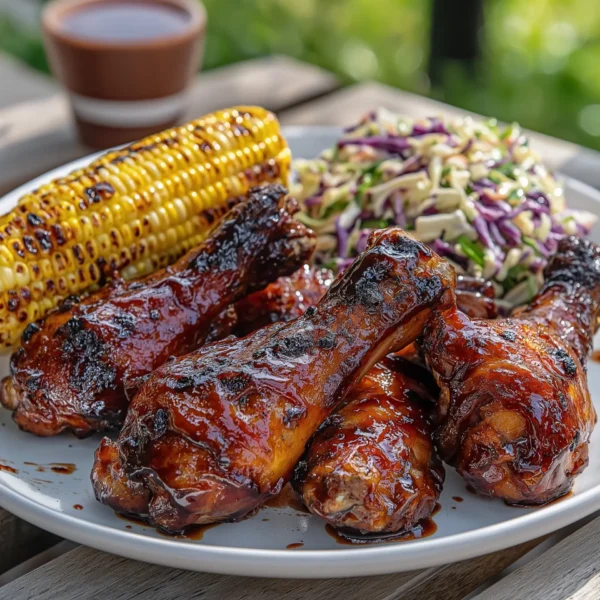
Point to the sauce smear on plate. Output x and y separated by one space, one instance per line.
424 529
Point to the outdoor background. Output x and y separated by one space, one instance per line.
533 61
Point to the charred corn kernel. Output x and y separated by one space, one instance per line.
133 210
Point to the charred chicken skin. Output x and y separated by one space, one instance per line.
475 297
514 414
78 368
212 435
283 300
372 468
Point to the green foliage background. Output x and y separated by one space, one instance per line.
540 63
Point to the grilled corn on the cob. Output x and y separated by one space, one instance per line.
133 210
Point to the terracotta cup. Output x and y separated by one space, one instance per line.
124 88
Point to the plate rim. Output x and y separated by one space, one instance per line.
332 563
303 564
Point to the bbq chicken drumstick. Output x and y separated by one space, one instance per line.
212 435
514 414
372 468
77 368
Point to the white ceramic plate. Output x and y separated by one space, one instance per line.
258 546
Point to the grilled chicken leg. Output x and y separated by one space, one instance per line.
515 415
371 468
212 435
77 369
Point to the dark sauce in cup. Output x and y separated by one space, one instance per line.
124 22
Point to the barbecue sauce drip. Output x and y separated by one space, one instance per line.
60 468
195 533
425 528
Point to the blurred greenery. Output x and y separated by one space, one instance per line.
538 65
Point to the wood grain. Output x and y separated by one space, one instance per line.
87 573
348 105
39 135
20 541
570 569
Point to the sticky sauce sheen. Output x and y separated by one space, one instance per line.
555 501
425 528
195 532
131 519
294 546
128 22
63 468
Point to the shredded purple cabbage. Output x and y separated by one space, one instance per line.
395 145
447 251
342 237
484 234
496 235
363 238
489 213
511 233
398 208
435 126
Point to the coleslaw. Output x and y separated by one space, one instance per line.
474 191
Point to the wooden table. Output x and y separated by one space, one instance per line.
37 135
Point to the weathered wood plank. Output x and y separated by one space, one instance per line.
91 574
570 569
348 105
19 540
276 82
19 83
38 135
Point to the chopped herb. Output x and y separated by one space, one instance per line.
472 249
375 224
513 276
507 169
335 207
444 177
371 177
508 131
515 194
531 288
532 244
331 265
